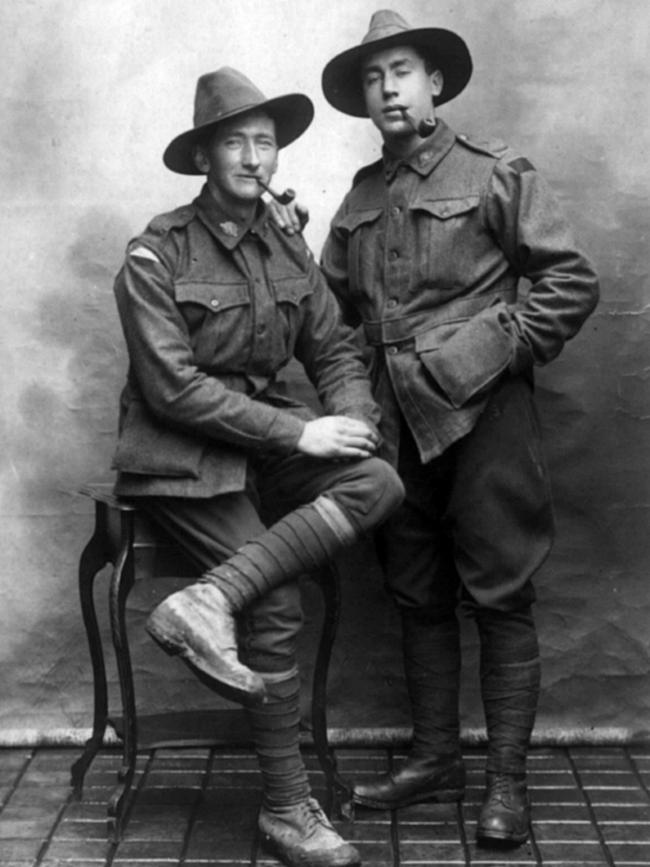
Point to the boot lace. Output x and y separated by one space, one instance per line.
500 788
315 819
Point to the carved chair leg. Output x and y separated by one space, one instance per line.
93 558
121 584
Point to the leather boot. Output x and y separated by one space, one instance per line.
434 778
510 682
505 814
302 836
434 771
197 623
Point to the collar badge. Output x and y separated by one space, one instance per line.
229 228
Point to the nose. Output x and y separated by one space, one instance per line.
389 85
250 156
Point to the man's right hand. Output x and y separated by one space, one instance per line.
291 218
337 437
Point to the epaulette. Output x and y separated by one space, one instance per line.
175 219
366 171
499 150
494 148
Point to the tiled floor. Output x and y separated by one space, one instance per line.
198 807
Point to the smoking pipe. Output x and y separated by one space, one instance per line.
424 128
282 198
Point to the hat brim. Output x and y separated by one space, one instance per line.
341 79
292 114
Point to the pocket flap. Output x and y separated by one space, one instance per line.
433 339
355 219
216 296
443 209
148 447
291 290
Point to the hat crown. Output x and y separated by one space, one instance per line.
222 93
383 24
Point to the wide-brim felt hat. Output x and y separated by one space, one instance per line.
223 95
341 80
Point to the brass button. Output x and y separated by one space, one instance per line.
214 302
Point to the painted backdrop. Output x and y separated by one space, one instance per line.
91 93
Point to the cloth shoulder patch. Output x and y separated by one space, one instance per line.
141 252
366 172
521 165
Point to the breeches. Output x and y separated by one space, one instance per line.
476 522
211 530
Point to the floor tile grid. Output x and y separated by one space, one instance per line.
591 807
617 784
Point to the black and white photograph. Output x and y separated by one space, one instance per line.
325 459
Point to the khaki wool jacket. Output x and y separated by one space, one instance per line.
212 314
461 268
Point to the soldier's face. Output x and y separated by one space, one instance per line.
240 151
397 79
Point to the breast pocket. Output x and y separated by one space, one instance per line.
216 314
291 293
448 229
364 229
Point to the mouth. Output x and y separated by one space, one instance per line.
391 110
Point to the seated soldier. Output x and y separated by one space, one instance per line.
214 301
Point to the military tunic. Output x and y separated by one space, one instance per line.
427 254
212 314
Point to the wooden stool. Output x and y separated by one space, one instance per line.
124 537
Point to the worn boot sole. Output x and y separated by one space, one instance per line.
436 796
218 679
273 847
490 839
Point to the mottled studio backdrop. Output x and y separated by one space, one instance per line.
91 93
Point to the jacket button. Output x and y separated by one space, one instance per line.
393 255
214 302
392 350
395 211
392 302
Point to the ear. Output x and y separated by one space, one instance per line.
201 160
437 82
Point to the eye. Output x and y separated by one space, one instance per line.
371 78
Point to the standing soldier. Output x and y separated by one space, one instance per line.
426 253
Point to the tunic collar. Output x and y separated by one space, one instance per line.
426 157
225 228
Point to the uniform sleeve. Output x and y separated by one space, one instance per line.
528 224
175 390
334 265
331 357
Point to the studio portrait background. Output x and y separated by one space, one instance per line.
92 92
